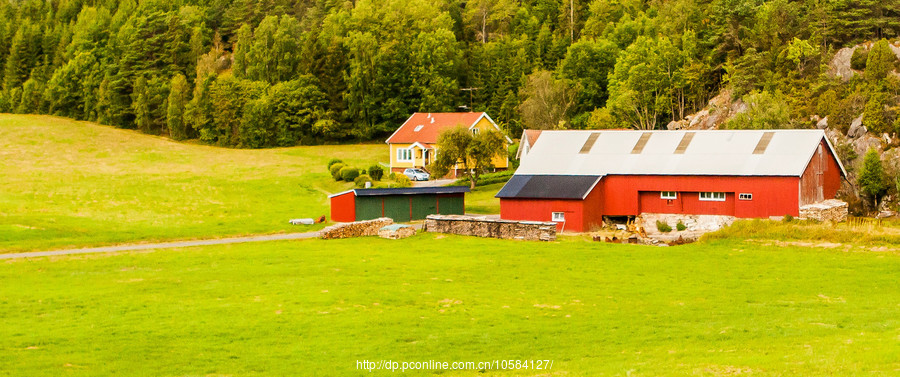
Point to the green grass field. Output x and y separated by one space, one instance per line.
65 183
757 299
720 308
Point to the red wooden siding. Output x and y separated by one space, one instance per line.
822 178
772 196
343 207
581 215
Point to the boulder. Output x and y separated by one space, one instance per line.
677 124
822 123
863 144
697 118
856 128
840 65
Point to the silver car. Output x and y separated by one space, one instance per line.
416 174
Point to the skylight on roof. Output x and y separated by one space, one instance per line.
685 141
589 143
763 142
419 127
641 143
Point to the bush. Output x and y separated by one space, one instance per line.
827 103
788 218
361 181
858 60
401 180
663 227
336 171
680 226
488 179
349 174
332 162
376 172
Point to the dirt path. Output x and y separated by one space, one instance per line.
162 245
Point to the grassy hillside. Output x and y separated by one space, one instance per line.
68 183
315 307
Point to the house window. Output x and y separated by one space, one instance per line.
559 216
418 128
668 195
712 196
745 196
474 131
404 154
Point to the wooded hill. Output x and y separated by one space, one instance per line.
258 73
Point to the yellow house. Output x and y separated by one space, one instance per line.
413 145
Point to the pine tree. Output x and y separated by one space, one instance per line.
871 181
178 98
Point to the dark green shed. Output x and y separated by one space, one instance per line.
400 204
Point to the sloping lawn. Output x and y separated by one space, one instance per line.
65 183
720 308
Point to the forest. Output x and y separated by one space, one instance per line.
264 73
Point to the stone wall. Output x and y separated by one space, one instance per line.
830 210
355 229
492 228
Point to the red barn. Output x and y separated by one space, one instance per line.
577 177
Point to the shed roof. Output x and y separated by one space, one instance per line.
549 186
709 152
405 191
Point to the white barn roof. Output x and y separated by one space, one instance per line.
710 152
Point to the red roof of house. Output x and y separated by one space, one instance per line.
532 136
431 126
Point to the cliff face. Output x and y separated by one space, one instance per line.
718 110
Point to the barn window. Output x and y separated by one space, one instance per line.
745 196
712 196
559 216
404 154
668 195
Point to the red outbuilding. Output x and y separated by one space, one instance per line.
577 177
400 204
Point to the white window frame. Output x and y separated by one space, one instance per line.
475 131
712 196
404 152
559 217
670 195
745 196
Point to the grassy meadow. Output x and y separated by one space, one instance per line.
65 183
718 308
759 298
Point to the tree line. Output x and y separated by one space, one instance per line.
262 73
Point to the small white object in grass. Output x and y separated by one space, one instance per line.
302 221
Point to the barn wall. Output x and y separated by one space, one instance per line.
822 178
343 208
542 210
578 217
772 196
